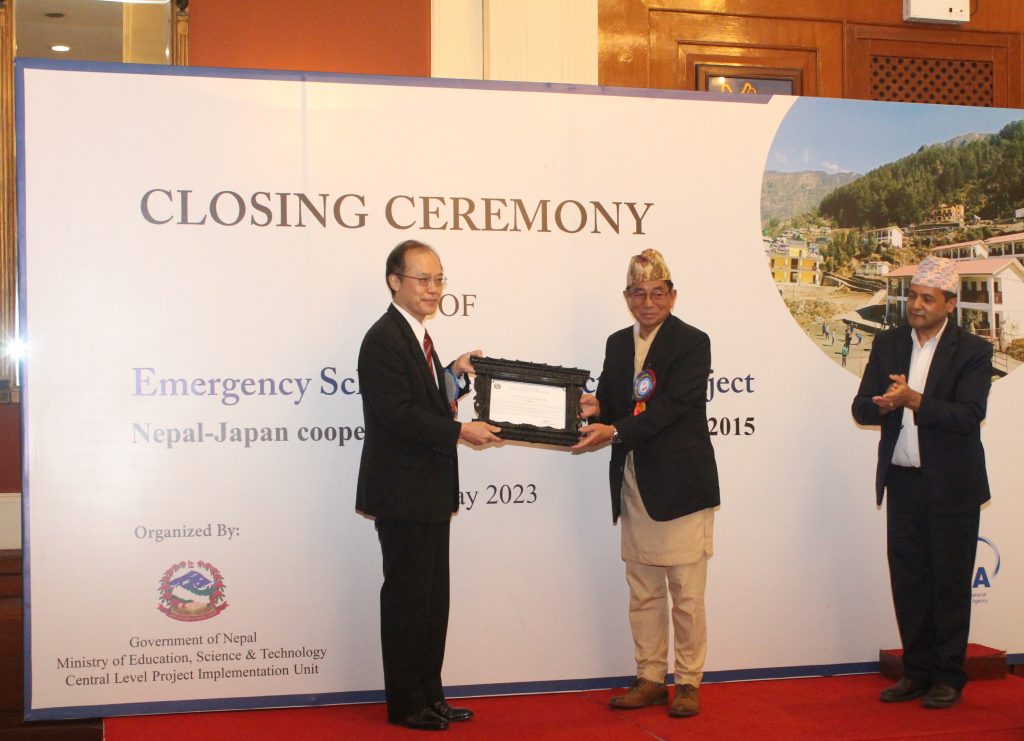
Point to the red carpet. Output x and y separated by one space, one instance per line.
817 708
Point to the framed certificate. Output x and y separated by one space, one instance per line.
530 402
749 79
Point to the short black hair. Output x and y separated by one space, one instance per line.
395 264
949 295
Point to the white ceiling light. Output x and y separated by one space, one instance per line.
60 47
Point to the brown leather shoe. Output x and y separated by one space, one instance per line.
644 692
686 703
941 696
905 689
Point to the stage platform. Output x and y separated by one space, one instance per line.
844 707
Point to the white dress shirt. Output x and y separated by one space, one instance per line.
908 452
420 331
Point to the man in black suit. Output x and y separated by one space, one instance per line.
409 483
650 404
927 385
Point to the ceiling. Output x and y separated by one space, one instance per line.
92 28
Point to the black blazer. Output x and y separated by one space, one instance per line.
948 421
672 454
409 470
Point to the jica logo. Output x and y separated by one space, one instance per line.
986 569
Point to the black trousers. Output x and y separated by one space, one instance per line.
931 564
413 612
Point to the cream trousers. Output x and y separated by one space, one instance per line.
649 590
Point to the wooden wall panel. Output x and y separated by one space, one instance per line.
938 53
839 45
360 36
11 629
681 40
10 448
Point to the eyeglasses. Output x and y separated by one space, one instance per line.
425 280
640 297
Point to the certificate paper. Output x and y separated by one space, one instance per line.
528 403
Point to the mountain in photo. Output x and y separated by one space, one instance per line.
788 194
984 172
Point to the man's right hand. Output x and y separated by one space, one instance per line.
479 433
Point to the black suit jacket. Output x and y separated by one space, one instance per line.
409 470
672 454
948 420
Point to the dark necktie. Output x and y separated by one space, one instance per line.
428 346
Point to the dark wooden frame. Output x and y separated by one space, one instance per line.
572 379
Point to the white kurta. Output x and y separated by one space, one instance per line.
683 540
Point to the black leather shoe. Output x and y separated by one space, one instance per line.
450 714
424 720
903 690
941 696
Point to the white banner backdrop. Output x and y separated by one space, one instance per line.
201 253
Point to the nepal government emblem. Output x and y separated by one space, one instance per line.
192 590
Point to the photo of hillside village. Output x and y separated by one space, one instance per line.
842 247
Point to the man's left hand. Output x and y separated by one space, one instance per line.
899 394
593 435
462 364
